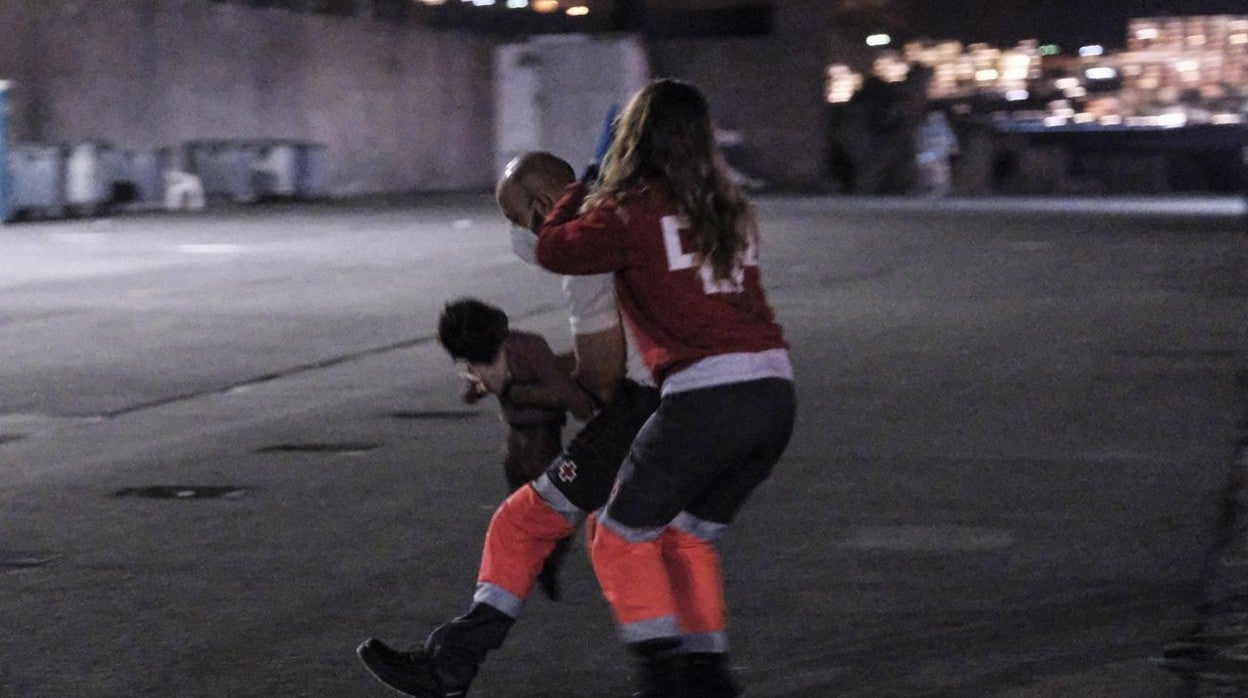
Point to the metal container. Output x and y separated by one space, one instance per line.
288 169
139 175
225 168
36 178
275 168
313 160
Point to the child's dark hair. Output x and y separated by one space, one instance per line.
472 330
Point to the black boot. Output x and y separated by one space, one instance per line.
446 664
660 672
411 673
707 676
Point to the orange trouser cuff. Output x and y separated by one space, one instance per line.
632 576
521 535
697 583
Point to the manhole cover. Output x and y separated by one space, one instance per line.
24 560
445 415
347 449
928 539
181 492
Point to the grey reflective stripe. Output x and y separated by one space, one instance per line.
652 629
498 597
632 535
708 531
556 499
723 369
704 642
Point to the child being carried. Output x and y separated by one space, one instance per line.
534 391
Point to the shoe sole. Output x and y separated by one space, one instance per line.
399 685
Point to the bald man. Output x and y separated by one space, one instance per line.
530 185
530 523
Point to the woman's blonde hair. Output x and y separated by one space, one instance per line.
665 139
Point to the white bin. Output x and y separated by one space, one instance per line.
275 168
88 179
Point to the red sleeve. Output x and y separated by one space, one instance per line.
594 242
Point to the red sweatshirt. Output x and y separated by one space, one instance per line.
678 313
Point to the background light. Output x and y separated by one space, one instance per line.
879 40
1172 120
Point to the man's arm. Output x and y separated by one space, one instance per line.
600 360
597 334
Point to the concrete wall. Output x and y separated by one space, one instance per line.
552 93
399 108
769 88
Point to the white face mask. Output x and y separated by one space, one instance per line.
524 243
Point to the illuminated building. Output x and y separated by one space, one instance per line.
1174 71
957 70
1196 67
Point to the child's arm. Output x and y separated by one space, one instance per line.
545 384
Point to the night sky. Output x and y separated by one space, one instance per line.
1069 23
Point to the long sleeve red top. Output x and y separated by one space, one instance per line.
678 312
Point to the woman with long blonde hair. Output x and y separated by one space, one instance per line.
681 241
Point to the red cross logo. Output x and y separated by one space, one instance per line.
567 471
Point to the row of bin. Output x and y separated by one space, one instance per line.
244 171
88 178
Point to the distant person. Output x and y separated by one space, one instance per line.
935 146
530 526
876 133
681 240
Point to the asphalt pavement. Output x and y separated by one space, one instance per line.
230 450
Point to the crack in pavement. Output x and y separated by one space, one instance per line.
291 371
